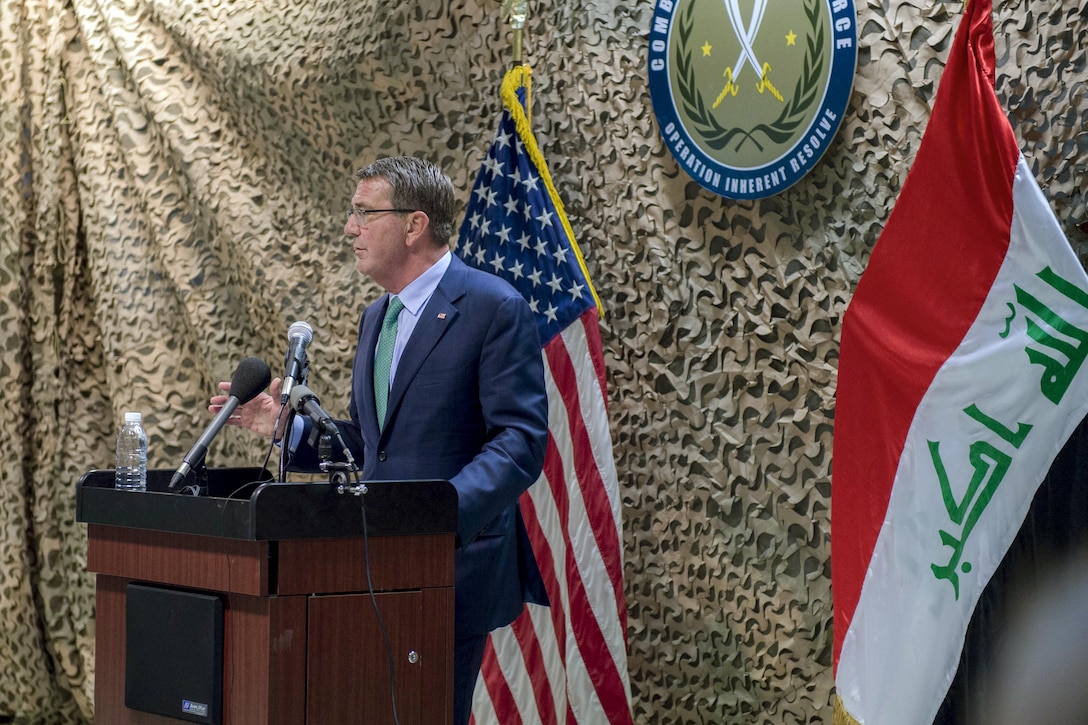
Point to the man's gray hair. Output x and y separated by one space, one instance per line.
419 185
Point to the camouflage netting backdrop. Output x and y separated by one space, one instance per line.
173 177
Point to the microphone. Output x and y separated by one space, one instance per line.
303 400
250 378
299 336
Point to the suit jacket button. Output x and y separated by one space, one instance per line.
381 455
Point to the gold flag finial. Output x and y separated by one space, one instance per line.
516 11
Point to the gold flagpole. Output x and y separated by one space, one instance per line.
516 11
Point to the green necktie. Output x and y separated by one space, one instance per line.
383 358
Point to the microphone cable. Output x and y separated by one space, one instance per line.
374 603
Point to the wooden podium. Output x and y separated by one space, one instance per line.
300 637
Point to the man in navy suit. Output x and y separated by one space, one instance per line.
466 399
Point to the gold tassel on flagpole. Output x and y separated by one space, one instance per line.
841 716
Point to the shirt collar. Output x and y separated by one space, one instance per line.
420 289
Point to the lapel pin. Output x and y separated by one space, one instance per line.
441 315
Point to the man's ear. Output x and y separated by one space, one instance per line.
417 225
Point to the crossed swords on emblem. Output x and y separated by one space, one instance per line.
747 54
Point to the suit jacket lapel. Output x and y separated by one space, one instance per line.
438 314
368 338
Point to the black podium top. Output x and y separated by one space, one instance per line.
245 504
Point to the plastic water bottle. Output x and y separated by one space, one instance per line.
132 455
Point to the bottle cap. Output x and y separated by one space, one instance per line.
131 417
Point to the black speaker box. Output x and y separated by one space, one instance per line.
174 653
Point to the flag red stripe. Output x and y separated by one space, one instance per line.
502 699
544 555
525 633
926 281
545 560
585 628
594 493
595 653
526 637
596 352
584 625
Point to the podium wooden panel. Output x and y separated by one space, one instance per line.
301 637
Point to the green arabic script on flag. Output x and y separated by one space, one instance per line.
990 464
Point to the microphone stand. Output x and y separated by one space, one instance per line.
344 475
285 444
199 481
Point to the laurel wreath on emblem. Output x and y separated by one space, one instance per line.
781 129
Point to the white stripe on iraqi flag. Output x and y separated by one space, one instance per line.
960 380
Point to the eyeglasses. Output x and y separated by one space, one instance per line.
360 215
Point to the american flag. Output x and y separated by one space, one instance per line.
566 663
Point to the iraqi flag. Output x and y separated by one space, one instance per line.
960 378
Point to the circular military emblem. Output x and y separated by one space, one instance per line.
748 100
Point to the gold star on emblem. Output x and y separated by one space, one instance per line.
706 49
791 38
